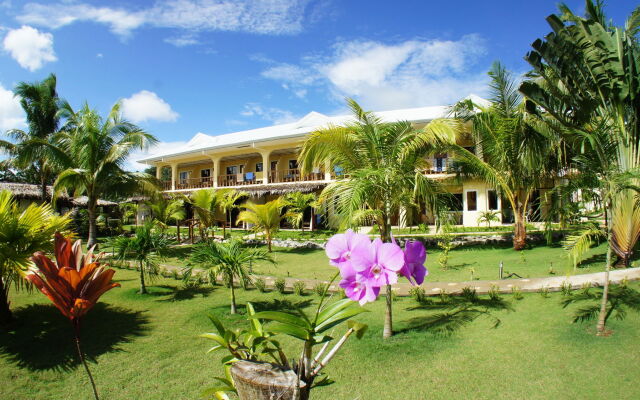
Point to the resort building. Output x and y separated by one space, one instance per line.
264 163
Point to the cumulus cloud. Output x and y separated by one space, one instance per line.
182 41
132 163
11 113
271 114
147 106
29 47
383 76
255 16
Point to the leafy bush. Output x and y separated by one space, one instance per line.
566 288
280 284
299 288
517 293
494 293
544 292
319 288
418 294
260 284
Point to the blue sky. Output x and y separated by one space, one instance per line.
218 66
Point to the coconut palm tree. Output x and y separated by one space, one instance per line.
23 232
229 259
228 199
514 157
40 103
145 247
164 210
263 217
94 151
585 75
383 165
205 203
297 203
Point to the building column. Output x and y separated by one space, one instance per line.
216 170
266 166
174 175
159 171
327 171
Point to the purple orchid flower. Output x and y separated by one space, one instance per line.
359 290
340 248
378 264
415 256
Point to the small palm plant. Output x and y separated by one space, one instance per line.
228 199
264 217
231 260
144 247
165 210
205 204
487 217
22 233
297 203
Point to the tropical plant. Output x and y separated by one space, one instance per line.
164 210
128 211
22 233
263 218
383 168
205 203
228 200
30 150
585 75
145 247
230 259
297 203
299 288
94 151
620 299
516 159
73 283
260 284
280 285
487 217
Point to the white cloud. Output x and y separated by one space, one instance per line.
11 113
161 148
255 16
271 114
147 106
385 76
182 41
99 55
29 47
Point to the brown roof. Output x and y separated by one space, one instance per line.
33 192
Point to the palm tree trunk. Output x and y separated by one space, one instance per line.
93 229
76 329
233 296
5 311
602 316
385 234
43 188
268 234
224 226
178 229
519 228
143 288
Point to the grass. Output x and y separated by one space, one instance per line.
146 347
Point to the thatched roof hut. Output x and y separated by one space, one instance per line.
27 191
279 189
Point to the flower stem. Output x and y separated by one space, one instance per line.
76 327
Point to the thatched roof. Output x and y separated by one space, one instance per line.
283 188
29 191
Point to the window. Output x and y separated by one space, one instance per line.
205 173
274 165
184 175
293 164
259 167
472 200
232 170
456 204
492 197
441 162
241 168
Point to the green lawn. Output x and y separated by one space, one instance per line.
146 347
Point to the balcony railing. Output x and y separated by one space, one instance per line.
193 183
238 179
247 178
294 175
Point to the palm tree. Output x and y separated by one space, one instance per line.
40 103
145 247
94 151
263 217
297 203
228 200
514 157
206 203
23 233
585 77
488 217
164 210
128 211
383 165
229 259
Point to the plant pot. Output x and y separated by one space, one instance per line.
264 381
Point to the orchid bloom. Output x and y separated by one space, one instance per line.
340 248
415 256
378 264
359 290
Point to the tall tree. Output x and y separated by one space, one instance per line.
383 165
586 74
513 156
29 149
263 217
94 151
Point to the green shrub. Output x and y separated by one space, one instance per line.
418 294
494 293
544 292
565 288
299 288
280 284
260 284
517 293
175 274
319 288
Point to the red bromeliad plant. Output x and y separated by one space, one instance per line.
74 283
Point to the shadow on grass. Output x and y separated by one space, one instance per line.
594 259
41 338
281 305
448 314
180 293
